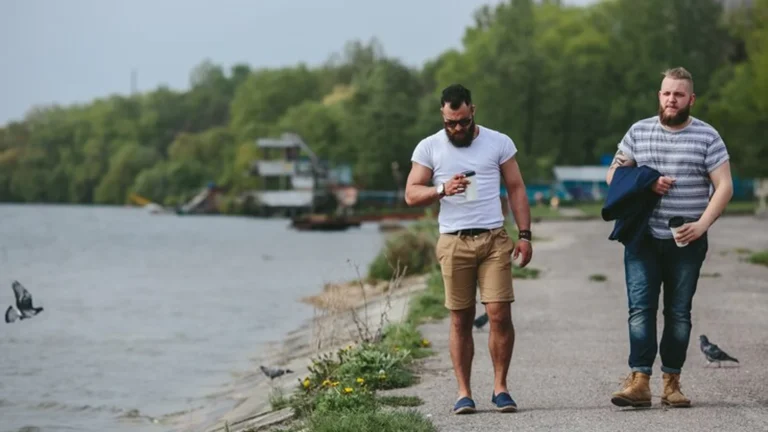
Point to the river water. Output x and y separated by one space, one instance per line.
147 316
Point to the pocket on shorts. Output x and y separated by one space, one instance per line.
504 240
440 247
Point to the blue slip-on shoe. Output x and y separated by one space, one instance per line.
464 405
504 402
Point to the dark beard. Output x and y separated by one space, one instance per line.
466 140
677 119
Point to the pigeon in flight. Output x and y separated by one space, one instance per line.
24 308
481 321
713 353
273 373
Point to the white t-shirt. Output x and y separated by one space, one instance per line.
488 151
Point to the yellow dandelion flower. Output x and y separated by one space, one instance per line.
326 383
334 384
306 383
360 381
425 342
348 389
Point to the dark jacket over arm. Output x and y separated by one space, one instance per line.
630 202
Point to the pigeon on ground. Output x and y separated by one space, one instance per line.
481 321
24 308
273 373
713 353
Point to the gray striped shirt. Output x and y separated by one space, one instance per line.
688 155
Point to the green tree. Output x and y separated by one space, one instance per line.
379 120
266 95
124 166
740 108
565 82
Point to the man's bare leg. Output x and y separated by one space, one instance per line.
501 341
462 347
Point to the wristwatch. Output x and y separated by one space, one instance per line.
441 190
524 235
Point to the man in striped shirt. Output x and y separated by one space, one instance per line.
692 159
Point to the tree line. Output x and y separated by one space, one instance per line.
565 82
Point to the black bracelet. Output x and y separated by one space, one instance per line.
524 235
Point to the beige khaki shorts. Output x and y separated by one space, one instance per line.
468 262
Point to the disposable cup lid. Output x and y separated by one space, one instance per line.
676 221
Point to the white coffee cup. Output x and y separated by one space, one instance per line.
675 223
471 192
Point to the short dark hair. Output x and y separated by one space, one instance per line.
455 95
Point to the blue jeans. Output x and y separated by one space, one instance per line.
653 262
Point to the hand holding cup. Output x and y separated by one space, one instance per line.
456 185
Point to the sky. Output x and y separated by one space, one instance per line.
73 51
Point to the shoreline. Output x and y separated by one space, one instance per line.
251 408
332 327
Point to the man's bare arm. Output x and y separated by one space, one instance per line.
518 198
619 160
723 183
417 193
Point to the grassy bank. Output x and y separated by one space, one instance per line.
760 258
340 391
592 210
414 250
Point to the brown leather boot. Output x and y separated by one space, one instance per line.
636 392
672 396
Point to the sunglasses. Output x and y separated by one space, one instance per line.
453 123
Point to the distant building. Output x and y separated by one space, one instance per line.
734 4
582 183
294 184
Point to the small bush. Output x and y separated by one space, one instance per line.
278 400
290 427
760 258
429 304
412 249
379 421
400 401
333 396
377 366
525 272
347 399
406 336
380 368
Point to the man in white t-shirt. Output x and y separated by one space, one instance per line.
465 163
